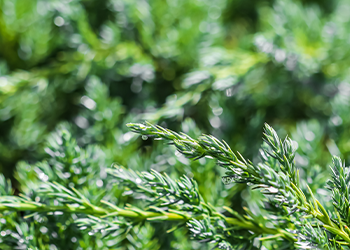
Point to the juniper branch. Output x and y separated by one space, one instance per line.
17 204
279 180
158 187
180 201
20 204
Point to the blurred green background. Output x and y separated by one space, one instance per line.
217 67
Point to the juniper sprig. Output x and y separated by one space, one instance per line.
160 198
276 176
169 200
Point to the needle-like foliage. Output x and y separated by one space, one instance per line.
161 198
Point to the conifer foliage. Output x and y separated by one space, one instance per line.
73 73
88 206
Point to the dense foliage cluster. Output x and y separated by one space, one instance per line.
73 73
